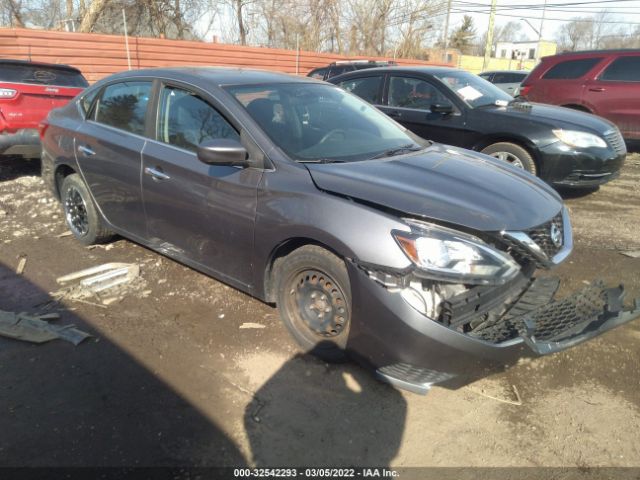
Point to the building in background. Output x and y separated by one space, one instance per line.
521 51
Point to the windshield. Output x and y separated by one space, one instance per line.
322 123
475 91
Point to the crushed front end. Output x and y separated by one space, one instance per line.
449 332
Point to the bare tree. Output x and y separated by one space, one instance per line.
16 13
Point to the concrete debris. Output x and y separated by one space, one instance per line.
36 328
252 325
64 234
107 247
21 264
632 254
106 283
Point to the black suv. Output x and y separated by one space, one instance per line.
338 68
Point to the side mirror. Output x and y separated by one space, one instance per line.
223 151
441 108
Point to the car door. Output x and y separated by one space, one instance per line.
201 214
615 94
409 101
108 147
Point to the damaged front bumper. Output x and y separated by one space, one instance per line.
478 332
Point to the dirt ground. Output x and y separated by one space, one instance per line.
171 377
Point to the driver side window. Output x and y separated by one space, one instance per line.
185 120
405 92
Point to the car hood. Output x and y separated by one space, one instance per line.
558 117
447 184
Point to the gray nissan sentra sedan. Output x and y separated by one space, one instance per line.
416 259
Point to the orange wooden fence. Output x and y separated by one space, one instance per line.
98 55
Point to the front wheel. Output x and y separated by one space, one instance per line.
513 154
80 213
314 299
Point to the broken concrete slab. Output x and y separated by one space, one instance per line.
36 328
104 283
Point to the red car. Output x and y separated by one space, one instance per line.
28 91
603 82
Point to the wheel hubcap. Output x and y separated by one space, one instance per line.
508 157
320 303
76 212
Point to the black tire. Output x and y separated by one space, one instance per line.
80 213
507 151
312 281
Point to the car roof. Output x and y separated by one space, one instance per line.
427 69
505 71
217 75
61 66
595 52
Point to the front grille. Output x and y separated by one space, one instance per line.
615 141
541 235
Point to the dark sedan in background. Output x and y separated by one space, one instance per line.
416 258
566 148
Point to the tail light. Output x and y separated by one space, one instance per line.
6 93
42 128
524 90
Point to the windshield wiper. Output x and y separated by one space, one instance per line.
398 151
320 160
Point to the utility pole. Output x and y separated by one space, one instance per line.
544 11
487 47
445 39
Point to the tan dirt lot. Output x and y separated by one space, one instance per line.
171 379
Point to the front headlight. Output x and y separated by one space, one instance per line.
575 138
449 255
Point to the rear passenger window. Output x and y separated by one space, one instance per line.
367 88
185 120
124 106
623 69
571 69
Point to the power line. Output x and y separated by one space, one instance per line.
548 5
547 18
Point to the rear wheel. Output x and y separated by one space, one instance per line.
80 213
314 299
512 153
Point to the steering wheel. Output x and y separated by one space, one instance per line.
332 133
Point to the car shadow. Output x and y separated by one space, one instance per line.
16 167
93 405
633 146
315 414
570 193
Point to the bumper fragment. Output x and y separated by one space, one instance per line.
551 327
575 319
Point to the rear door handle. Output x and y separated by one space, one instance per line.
86 151
156 173
596 89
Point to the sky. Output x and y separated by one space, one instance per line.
557 13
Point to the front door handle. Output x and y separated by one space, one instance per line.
596 89
394 114
156 173
86 151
